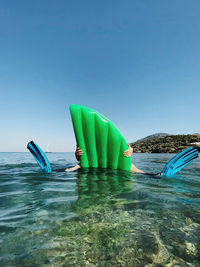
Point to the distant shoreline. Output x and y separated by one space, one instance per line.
166 144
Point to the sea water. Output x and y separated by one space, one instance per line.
98 217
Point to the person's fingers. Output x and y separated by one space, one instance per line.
80 152
127 153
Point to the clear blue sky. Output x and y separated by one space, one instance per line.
136 62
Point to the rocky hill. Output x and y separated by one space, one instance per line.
157 135
165 143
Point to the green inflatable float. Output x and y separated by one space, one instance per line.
101 142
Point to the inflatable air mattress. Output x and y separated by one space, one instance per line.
101 142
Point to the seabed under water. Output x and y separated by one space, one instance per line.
98 218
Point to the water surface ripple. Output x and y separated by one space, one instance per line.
98 217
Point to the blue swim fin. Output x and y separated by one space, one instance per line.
179 161
40 157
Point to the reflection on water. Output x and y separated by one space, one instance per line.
94 183
98 217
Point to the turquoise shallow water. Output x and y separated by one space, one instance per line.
97 218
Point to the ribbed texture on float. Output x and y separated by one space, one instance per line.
101 142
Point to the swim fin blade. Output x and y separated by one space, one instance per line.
39 156
179 161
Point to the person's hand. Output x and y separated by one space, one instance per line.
78 153
128 153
